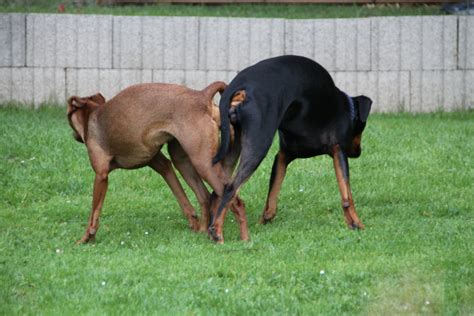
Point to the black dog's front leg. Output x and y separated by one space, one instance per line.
280 165
341 167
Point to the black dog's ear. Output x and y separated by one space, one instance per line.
364 104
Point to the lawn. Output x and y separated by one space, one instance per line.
299 11
412 188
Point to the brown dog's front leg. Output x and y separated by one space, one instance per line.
100 188
341 166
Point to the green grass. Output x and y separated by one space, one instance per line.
412 187
302 11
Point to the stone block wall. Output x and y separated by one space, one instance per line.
418 64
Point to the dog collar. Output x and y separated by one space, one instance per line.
351 105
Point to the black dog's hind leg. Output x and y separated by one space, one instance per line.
280 164
230 191
341 166
253 153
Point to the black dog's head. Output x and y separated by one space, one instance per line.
362 105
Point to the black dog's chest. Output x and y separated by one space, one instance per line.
306 144
308 129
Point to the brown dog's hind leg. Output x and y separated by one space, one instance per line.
181 161
341 167
162 165
278 174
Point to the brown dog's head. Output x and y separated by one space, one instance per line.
362 105
78 111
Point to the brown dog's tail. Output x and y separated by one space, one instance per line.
213 88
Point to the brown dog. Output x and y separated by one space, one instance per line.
130 129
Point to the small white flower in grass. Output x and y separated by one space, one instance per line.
22 161
365 293
227 290
321 272
146 233
122 242
427 302
103 283
58 250
301 189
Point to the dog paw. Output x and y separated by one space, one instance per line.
195 225
214 235
355 226
202 228
86 239
264 220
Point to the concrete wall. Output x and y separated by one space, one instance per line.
420 64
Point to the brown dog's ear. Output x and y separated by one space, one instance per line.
74 103
213 88
97 98
76 118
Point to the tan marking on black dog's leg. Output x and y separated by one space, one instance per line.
163 166
238 208
341 168
276 180
352 212
217 223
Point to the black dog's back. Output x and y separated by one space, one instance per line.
308 95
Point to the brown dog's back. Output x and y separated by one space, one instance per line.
145 112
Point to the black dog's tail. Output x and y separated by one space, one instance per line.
224 106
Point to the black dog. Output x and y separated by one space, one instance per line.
297 97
